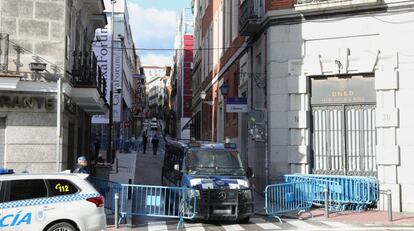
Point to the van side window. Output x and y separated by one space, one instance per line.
27 189
62 187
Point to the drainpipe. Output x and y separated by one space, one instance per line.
58 122
267 156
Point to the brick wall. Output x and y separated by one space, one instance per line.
279 4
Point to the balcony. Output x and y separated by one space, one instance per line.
251 16
330 6
89 85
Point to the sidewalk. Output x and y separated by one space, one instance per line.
374 217
124 175
126 168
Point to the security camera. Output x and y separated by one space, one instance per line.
120 36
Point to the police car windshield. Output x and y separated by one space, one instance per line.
213 161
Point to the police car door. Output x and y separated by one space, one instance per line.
25 205
2 194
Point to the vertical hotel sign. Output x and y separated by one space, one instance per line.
102 50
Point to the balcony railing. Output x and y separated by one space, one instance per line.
86 72
309 6
251 15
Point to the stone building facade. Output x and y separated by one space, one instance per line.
338 88
327 84
50 85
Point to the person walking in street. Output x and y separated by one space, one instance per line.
97 145
144 142
164 134
155 142
82 165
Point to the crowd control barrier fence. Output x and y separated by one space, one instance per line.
347 192
107 189
287 197
158 201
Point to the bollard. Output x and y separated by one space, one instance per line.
326 195
117 166
129 189
389 197
389 200
116 210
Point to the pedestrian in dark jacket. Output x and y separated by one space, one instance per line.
155 142
144 141
82 165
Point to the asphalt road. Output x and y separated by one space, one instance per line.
148 172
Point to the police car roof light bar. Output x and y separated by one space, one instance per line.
6 171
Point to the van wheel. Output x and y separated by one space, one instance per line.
62 226
244 220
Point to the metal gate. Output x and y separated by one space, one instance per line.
344 139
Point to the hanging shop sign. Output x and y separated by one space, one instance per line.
237 105
27 102
343 90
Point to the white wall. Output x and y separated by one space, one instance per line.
293 54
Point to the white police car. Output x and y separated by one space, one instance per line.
50 202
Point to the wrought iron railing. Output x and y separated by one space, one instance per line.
250 10
86 72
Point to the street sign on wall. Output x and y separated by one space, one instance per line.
237 105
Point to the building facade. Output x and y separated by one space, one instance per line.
125 74
216 63
183 64
50 85
327 85
156 78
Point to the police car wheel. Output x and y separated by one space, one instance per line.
62 226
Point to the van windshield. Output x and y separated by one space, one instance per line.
213 162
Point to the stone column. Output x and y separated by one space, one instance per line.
387 122
298 119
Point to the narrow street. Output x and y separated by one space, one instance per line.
148 172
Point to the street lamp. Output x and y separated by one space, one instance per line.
111 92
203 96
224 88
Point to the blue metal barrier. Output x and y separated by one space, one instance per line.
107 189
159 201
128 146
287 197
348 192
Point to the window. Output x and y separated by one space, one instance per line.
227 28
67 50
62 187
210 51
220 29
235 21
215 38
27 189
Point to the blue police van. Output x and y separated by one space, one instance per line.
216 172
